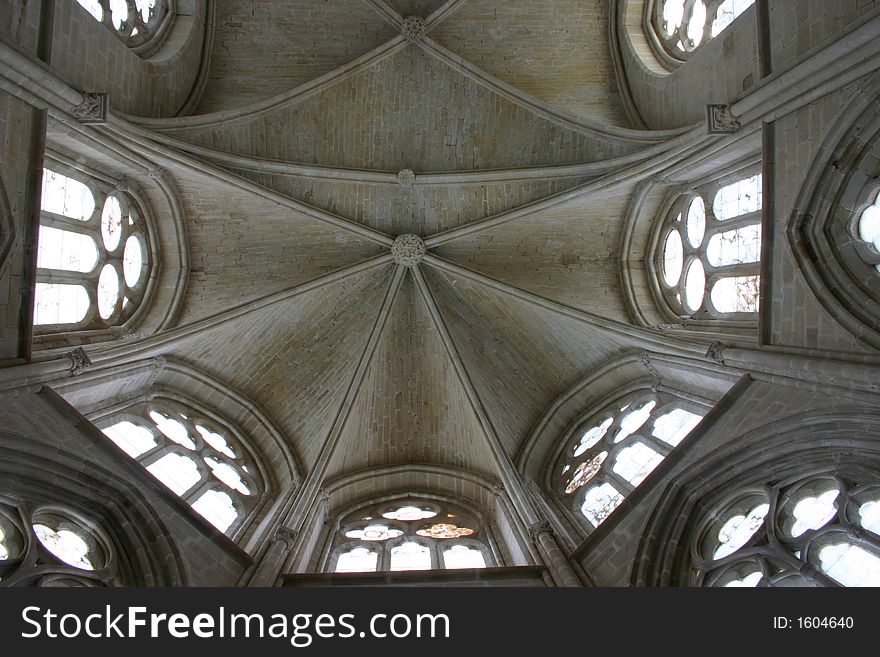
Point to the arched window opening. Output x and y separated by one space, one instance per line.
92 257
136 22
194 456
821 530
867 234
682 26
709 258
53 546
611 453
409 534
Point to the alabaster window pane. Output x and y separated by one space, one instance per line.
814 512
410 556
674 426
736 294
177 472
462 556
135 440
735 247
850 565
739 529
60 303
600 502
358 560
217 508
65 250
739 198
66 196
68 546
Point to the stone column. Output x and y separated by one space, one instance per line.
269 567
557 564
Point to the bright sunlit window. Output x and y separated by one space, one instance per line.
711 252
409 535
611 454
194 456
92 258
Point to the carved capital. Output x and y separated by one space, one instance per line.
79 361
538 528
123 185
93 109
715 352
287 536
413 29
156 173
720 121
497 489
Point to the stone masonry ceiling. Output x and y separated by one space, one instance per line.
406 218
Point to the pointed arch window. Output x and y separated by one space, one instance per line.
709 251
140 24
93 261
821 530
410 534
53 546
608 455
195 456
680 27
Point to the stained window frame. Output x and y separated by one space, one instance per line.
664 47
34 564
93 327
673 217
776 553
142 38
481 539
667 400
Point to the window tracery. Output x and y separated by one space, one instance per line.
92 261
53 546
820 530
867 233
682 26
194 456
611 453
710 251
409 535
135 22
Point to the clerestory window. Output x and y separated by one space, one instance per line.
610 454
138 23
93 263
709 256
409 535
195 456
822 530
867 233
679 27
53 546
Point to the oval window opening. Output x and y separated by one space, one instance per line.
111 223
108 291
132 261
695 286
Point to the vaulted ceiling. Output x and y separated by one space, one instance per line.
293 177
